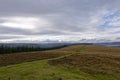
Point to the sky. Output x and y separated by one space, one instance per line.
34 21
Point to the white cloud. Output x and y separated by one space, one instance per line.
23 22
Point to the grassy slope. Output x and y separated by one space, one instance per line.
41 70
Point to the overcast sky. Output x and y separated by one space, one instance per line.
59 20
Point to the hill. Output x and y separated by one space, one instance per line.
77 62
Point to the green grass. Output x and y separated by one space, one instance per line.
41 70
38 70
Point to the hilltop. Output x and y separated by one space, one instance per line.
76 62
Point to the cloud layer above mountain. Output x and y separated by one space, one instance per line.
59 20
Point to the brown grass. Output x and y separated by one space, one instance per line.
8 59
92 59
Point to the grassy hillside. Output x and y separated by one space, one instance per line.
8 59
78 62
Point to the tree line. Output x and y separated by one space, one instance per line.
7 49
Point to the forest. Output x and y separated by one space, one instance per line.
15 49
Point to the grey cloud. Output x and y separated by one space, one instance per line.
16 31
6 30
48 6
67 16
9 37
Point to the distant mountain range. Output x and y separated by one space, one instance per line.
114 44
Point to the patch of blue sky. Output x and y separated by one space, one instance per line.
108 18
112 14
